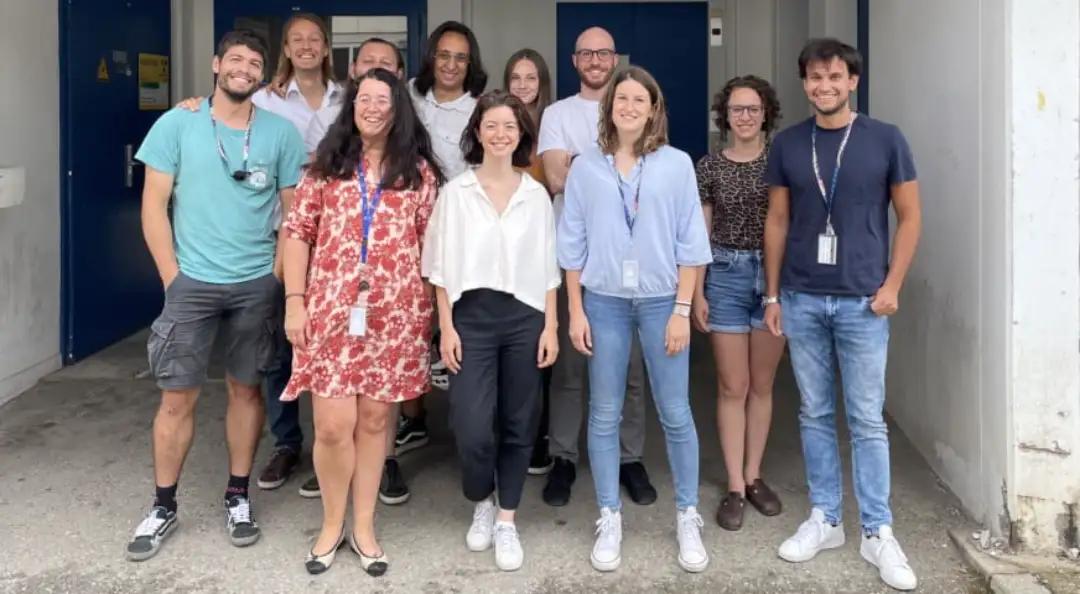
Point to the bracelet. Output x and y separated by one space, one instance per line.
684 302
288 295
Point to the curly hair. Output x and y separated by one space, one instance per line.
768 100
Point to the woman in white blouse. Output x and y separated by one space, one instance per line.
490 252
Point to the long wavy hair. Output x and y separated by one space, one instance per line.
285 69
407 143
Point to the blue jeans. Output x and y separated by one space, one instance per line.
283 417
613 321
822 329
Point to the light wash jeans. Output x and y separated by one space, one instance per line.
613 320
821 330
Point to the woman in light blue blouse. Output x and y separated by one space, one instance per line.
632 241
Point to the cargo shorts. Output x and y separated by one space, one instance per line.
182 337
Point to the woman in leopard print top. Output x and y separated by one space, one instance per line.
727 304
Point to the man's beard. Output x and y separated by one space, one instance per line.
839 107
236 96
601 84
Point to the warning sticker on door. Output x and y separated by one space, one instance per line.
153 82
103 71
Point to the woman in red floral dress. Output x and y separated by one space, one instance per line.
357 311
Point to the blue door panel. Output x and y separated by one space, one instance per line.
669 39
110 287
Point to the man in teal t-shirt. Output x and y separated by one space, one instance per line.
225 168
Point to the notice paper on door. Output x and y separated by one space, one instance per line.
153 82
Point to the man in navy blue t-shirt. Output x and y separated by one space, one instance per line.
830 287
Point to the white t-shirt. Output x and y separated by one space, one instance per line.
468 245
445 122
571 125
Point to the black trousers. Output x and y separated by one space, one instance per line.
495 400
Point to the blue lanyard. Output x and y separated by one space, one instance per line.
367 209
829 196
628 216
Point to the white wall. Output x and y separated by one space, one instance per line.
948 364
984 365
1044 479
30 232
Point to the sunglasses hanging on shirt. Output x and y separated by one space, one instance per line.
242 173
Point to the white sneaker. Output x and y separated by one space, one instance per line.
483 524
813 536
606 553
883 551
508 553
692 554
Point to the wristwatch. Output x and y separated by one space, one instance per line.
767 300
682 309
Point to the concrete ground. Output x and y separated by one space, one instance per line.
75 479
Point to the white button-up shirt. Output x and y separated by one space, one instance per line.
445 122
294 107
469 245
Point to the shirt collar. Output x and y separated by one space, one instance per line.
460 104
333 89
528 184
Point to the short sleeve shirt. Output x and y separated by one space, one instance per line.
877 157
224 228
739 198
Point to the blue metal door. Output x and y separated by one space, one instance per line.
669 39
110 287
267 16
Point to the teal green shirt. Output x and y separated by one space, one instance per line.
223 228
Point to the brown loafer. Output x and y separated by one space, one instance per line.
763 498
730 513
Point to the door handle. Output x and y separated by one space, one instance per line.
129 166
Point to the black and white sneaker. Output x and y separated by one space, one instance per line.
151 532
411 434
240 521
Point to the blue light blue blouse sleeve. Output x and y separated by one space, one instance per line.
692 247
570 238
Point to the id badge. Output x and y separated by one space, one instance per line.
630 271
826 249
358 321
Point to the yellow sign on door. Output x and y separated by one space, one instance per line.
153 82
103 71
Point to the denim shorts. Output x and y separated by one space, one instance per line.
734 284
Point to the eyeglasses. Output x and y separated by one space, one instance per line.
588 54
445 56
740 110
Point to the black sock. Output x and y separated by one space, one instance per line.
238 486
165 497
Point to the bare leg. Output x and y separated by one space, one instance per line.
174 425
334 456
243 425
765 353
370 439
731 352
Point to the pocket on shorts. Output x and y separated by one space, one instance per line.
266 352
159 348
